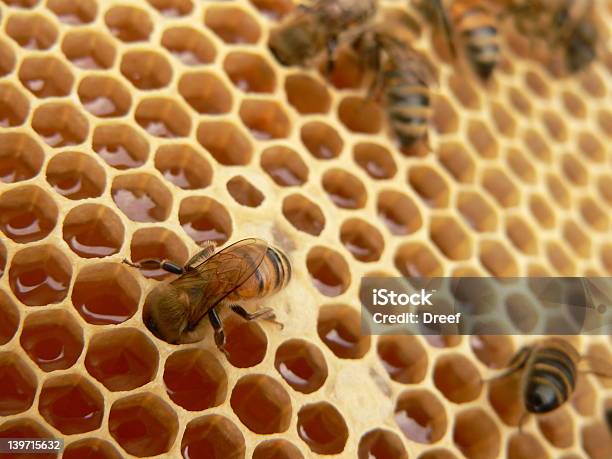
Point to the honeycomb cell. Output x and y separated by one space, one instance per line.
104 97
584 400
146 69
17 383
21 157
348 71
172 8
307 94
163 117
432 188
91 448
275 10
555 126
574 104
93 231
499 185
195 379
476 434
398 212
321 140
339 327
9 318
7 58
141 197
71 404
143 424
519 101
537 85
375 159
76 175
52 339
26 428
541 211
261 404
277 449
31 30
450 237
437 453
120 145
360 115
525 446
88 49
537 145
188 45
522 235
322 427
250 72
213 436
577 239
157 243
477 211
74 12
457 161
504 122
482 139
301 364
497 259
592 436
521 166
121 359
60 124
232 25
183 166
21 3
594 215
420 416
403 357
558 190
604 186
560 260
265 119
344 189
557 427
225 142
128 24
494 351
243 192
363 240
457 378
284 166
205 93
381 444
205 219
416 260
14 106
45 76
105 293
303 214
591 147
463 91
604 119
246 342
40 275
328 271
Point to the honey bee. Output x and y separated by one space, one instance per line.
246 270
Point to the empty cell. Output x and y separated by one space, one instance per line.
14 106
584 399
592 83
172 8
307 94
40 275
250 72
76 175
91 448
457 161
592 435
494 351
143 424
497 259
262 404
339 327
205 93
522 235
363 240
574 104
525 446
604 119
9 317
604 186
451 238
303 214
537 145
557 427
398 212
541 211
476 434
104 96
232 25
120 145
31 30
213 435
21 157
591 147
577 239
157 243
457 378
519 101
205 219
403 357
88 49
560 259
504 121
321 140
420 416
328 271
121 359
444 118
243 192
163 117
225 142
430 185
322 427
360 115
26 427
195 379
146 69
381 444
246 342
277 449
301 364
188 45
501 187
481 138
521 165
52 339
141 197
71 404
594 215
284 166
45 76
265 119
93 231
183 166
128 24
555 126
344 189
477 211
416 260
105 293
558 190
463 91
60 124
537 84
375 159
17 383
74 12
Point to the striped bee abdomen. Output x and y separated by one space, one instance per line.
272 275
408 108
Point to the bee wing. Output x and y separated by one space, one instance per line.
446 26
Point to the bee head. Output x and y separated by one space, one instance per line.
292 44
165 313
541 398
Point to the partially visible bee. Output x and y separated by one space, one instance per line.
246 270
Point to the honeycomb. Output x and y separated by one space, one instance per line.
137 129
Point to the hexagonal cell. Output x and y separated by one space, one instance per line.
7 58
21 157
476 434
265 119
74 12
31 30
328 271
344 189
105 293
143 424
284 166
322 427
555 126
360 115
557 427
205 93
537 84
375 159
463 91
348 71
420 416
301 364
52 339
592 440
521 166
277 449
497 259
213 436
537 145
339 327
321 140
195 379
141 197
522 235
244 192
444 118
430 185
303 214
146 69
188 45
604 186
416 260
457 378
76 175
60 124
163 117
307 94
250 72
45 76
381 444
71 404
499 185
541 211
21 3
128 24
457 161
26 427
451 238
9 318
18 384
584 400
205 219
438 453
225 142
398 212
104 96
172 8
504 121
574 104
526 446
482 140
558 190
246 342
40 275
93 231
560 260
594 215
232 25
91 448
519 101
403 357
604 118
577 239
591 147
363 240
14 106
262 404
494 351
158 243
120 145
88 49
477 211
183 166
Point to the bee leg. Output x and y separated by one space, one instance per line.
208 249
152 263
215 321
264 314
